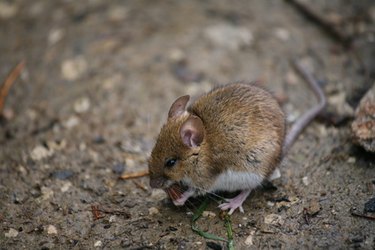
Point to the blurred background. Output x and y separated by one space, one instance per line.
95 84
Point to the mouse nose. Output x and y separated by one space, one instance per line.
157 182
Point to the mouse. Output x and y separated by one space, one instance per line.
232 138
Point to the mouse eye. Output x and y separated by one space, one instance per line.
170 162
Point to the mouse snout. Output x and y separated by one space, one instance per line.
157 182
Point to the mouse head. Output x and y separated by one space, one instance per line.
177 146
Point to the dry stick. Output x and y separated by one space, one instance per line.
323 22
134 175
5 87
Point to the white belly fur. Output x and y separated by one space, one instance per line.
233 181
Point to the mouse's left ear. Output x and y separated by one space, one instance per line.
178 107
192 131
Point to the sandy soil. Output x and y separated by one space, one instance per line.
98 82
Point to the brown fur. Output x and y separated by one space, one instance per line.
244 130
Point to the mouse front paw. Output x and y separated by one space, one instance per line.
236 202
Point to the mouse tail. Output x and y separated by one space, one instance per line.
307 117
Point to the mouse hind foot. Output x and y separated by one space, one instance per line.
236 202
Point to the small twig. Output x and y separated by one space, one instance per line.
96 212
323 22
140 185
134 175
362 215
7 84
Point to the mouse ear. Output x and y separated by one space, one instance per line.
192 131
178 107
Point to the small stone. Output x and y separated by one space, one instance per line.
46 193
82 105
249 239
73 69
282 34
118 168
65 187
305 181
11 233
314 207
291 78
8 9
117 13
62 174
51 229
40 152
351 160
176 56
55 36
112 218
98 243
153 211
229 36
158 194
71 122
274 219
370 206
208 214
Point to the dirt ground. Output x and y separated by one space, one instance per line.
98 82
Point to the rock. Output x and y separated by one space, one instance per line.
46 193
54 36
73 69
305 181
118 168
153 210
314 207
363 127
62 174
11 233
117 13
82 105
158 194
208 214
249 239
228 36
98 243
71 122
274 219
282 34
65 187
370 206
40 152
51 229
8 9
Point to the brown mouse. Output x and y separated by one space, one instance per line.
230 139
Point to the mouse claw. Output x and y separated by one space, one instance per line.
236 202
184 197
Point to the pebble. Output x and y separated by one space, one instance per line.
65 187
82 105
363 126
71 122
249 239
62 174
370 206
314 207
305 181
118 168
274 219
112 218
282 34
54 36
208 214
158 194
8 9
117 13
153 211
40 152
51 229
46 193
73 69
98 243
176 56
11 233
228 36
